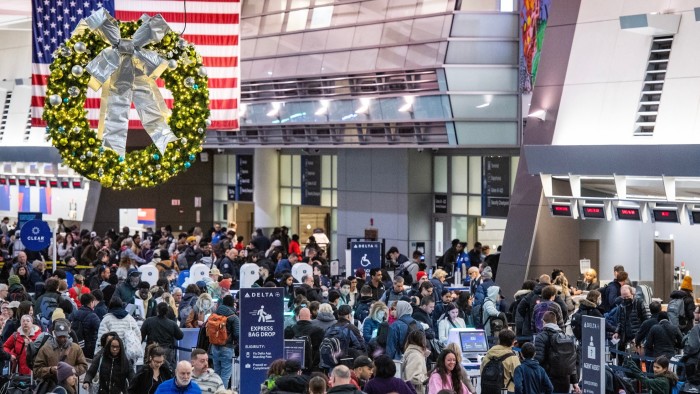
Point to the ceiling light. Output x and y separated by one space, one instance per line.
540 114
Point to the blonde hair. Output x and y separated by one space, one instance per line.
457 350
376 307
440 274
562 284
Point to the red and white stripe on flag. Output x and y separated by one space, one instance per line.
213 28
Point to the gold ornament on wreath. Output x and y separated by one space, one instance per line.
124 59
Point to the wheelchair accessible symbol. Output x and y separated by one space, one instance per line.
365 261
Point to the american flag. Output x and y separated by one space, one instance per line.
211 25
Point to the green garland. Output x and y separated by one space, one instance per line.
69 129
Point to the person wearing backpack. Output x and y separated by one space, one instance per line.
399 330
222 353
526 308
395 292
682 305
589 306
490 311
529 377
556 352
345 319
546 303
59 347
121 322
498 365
664 339
47 302
310 334
85 324
163 331
633 311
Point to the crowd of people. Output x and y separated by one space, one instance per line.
370 332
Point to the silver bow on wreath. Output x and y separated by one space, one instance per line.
126 72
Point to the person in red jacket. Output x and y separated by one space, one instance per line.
17 344
294 245
78 289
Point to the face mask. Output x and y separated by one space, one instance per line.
206 305
344 291
380 315
324 294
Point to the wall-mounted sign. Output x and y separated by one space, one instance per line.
24 217
311 180
495 192
440 203
231 193
244 177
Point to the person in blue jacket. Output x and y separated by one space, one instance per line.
529 377
399 329
182 382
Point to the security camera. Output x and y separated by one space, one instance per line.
316 150
420 150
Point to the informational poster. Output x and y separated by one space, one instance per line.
440 203
495 193
593 355
262 334
365 255
24 217
311 180
295 349
244 177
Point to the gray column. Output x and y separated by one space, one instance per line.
266 194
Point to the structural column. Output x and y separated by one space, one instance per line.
266 194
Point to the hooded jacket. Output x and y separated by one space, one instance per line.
324 320
414 370
490 307
530 378
399 330
659 384
119 321
525 311
291 384
233 324
689 308
663 340
91 324
16 347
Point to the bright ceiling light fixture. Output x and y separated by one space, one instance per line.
324 107
276 105
408 106
364 107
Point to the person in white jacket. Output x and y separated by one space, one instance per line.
413 368
120 321
449 321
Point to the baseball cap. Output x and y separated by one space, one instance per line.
134 272
362 361
292 366
215 271
61 327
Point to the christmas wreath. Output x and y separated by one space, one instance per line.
124 59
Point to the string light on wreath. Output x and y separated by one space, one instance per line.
177 139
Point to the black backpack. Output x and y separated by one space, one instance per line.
561 354
308 351
334 346
493 374
576 320
406 274
77 327
382 334
412 326
34 347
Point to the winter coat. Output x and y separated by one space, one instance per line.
482 291
689 308
552 307
659 384
91 324
344 389
388 385
324 320
119 321
112 379
398 330
632 313
15 346
587 308
530 378
513 309
169 387
233 325
291 384
446 325
413 368
126 292
525 311
50 354
144 379
664 339
161 330
490 308
509 364
542 348
368 327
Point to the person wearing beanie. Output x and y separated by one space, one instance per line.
67 379
57 314
13 280
313 334
683 299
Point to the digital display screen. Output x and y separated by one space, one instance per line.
473 341
594 212
561 210
666 215
628 213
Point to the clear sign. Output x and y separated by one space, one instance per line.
35 235
262 334
592 355
365 255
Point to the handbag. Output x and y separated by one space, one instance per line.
95 382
